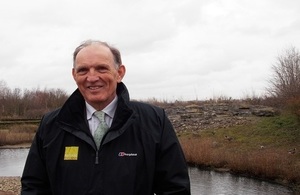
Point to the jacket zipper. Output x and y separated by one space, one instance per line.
97 150
97 157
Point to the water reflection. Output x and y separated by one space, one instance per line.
203 182
210 182
12 161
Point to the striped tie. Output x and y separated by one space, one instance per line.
101 129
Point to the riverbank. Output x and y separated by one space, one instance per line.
237 166
17 146
10 185
253 150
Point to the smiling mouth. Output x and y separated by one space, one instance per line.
94 87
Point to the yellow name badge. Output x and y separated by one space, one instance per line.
71 153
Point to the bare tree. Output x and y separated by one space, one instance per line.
285 83
29 104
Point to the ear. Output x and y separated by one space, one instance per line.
121 73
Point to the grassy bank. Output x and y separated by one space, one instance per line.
17 134
262 149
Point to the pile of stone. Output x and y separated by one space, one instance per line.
197 117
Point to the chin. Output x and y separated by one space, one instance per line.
96 98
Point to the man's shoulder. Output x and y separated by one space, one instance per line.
50 116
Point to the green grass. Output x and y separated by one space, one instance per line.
283 131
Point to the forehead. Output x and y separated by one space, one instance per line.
94 52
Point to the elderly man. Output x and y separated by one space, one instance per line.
100 142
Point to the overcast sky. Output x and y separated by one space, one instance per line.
172 49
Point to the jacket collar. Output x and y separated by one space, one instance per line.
73 111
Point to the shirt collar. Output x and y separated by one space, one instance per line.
110 109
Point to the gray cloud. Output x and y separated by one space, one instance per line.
172 49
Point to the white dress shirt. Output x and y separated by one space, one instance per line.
109 111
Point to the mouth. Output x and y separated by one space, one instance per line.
94 87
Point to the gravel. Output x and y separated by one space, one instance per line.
10 185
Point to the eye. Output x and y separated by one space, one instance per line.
102 68
82 70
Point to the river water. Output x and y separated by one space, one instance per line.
202 181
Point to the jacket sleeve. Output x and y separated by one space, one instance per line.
171 176
34 179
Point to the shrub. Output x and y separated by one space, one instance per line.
293 106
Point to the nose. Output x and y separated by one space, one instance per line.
92 76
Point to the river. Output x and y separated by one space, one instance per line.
202 181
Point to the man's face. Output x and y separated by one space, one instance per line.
96 75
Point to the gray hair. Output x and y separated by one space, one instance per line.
116 53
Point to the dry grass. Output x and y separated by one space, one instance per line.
260 149
267 163
17 134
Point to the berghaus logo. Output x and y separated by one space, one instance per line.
124 154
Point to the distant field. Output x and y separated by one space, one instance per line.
17 131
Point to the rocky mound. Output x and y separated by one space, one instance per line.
201 116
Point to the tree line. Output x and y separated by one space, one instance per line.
283 91
29 104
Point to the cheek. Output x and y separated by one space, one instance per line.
79 80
